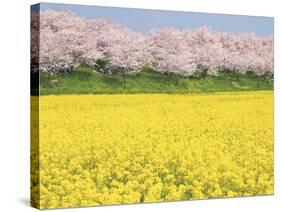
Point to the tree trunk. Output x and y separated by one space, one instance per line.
124 80
205 72
177 79
49 78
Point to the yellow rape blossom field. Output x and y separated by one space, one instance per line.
133 148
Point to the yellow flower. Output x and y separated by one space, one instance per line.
112 149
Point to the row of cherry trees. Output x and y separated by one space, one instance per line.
67 40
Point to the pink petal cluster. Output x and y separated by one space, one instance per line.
67 40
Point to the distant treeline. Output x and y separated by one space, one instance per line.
67 41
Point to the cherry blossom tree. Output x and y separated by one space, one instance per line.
67 40
62 41
123 47
169 52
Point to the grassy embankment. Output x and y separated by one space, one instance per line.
85 80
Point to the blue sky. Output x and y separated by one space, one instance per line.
144 20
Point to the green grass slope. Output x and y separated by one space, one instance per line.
85 80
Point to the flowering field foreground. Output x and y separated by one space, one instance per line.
113 149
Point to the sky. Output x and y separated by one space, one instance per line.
145 20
